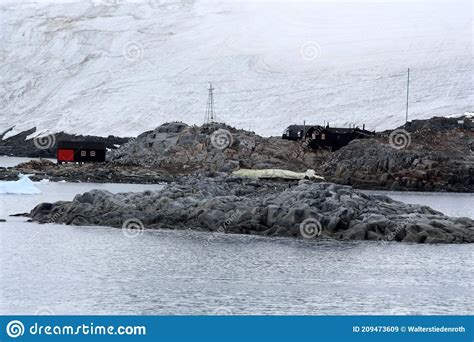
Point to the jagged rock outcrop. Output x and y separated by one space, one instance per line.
439 124
431 155
180 149
272 208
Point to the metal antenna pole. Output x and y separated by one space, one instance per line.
211 90
408 91
206 117
210 115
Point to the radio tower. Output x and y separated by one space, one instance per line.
210 114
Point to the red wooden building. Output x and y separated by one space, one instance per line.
80 152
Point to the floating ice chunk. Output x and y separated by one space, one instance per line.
23 186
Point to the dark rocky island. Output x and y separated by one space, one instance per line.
219 203
423 155
174 150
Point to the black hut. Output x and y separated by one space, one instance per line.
334 138
330 138
295 132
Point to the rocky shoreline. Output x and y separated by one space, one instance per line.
86 173
222 204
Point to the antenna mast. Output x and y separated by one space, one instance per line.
408 90
210 114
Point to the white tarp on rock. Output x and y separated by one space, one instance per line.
277 173
23 186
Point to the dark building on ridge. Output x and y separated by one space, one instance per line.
295 132
330 138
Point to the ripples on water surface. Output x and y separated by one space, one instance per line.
97 270
100 271
449 203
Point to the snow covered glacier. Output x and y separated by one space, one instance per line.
112 67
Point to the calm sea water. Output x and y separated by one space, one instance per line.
452 204
62 269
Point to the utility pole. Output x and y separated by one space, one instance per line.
408 91
210 114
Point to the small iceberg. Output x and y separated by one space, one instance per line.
23 186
